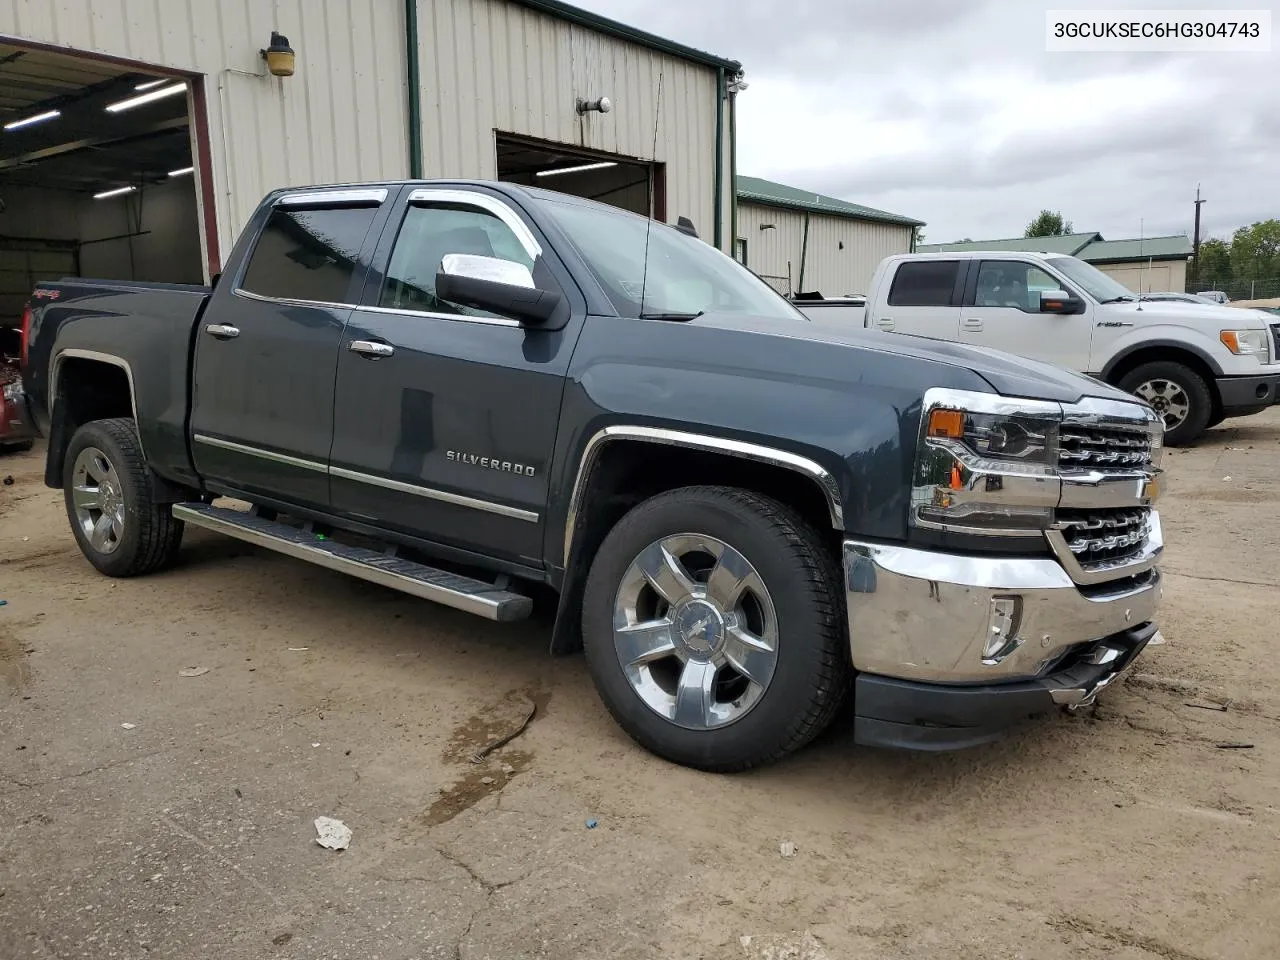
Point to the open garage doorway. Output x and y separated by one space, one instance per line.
96 175
609 178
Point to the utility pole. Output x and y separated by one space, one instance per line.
1195 247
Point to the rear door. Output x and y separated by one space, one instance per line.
1003 312
446 416
267 347
923 299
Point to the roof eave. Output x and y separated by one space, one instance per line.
828 211
614 28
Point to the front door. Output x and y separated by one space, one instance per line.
446 416
1003 312
267 345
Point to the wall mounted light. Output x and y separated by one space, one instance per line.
279 56
601 105
768 226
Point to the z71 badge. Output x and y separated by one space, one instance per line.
489 463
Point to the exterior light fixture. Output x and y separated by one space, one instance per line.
600 105
279 56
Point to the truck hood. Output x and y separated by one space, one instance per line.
1007 374
1205 317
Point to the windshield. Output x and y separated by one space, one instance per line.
1096 283
685 276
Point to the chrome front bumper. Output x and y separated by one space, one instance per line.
929 617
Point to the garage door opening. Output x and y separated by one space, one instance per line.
609 178
96 175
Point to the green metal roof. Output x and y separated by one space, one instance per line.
585 18
1090 247
755 190
1149 248
1071 244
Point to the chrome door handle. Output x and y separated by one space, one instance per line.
973 323
885 323
371 348
223 331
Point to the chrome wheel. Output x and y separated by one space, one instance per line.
695 631
98 500
1168 398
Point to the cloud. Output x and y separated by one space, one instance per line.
953 113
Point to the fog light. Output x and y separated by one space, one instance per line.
1002 629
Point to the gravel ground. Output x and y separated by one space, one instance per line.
144 813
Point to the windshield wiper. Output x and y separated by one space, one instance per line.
672 316
1120 299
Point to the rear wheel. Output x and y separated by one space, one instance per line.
713 628
1178 394
118 525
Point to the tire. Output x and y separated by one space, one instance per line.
1170 387
790 594
134 534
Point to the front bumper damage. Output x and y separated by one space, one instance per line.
922 623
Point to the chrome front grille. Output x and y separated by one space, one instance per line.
1103 448
1104 538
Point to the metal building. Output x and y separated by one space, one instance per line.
140 134
801 241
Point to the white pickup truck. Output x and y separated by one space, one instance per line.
1197 364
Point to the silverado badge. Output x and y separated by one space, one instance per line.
489 463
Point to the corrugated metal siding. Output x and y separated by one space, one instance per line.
1143 277
340 117
829 269
488 66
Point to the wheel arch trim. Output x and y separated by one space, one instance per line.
76 353
1123 357
706 443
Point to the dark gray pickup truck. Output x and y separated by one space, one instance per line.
468 391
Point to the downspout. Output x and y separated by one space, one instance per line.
804 253
719 179
733 175
415 88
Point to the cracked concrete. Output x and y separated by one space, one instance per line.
1124 833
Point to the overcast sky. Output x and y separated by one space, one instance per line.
951 111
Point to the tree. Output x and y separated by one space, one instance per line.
1255 251
1049 224
1215 261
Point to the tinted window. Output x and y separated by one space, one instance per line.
1008 283
430 232
308 254
924 283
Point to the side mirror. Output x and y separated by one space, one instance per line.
496 285
1059 301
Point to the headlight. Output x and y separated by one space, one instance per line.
13 391
987 465
1245 343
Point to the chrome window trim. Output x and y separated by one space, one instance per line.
260 453
291 301
484 202
302 198
430 493
452 317
697 441
74 353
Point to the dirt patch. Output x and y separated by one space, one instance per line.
15 672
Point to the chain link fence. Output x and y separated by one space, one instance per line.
1242 289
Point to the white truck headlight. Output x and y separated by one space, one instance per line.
1246 343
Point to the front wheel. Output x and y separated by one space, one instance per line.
117 523
713 628
1179 394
